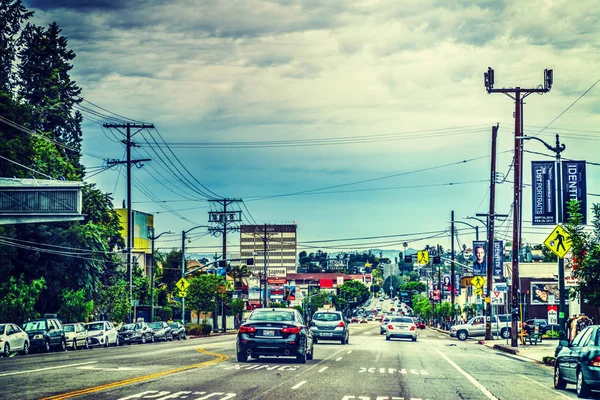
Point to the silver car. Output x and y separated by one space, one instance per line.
76 336
330 325
13 339
401 327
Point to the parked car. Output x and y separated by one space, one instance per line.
162 331
384 322
139 332
274 332
45 334
330 325
363 320
541 323
178 330
13 339
102 333
354 320
76 336
476 327
578 362
401 327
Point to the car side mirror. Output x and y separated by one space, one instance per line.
564 342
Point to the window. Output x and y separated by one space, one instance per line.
69 328
583 335
327 317
274 316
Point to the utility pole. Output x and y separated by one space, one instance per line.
490 237
265 242
452 263
128 145
224 220
153 238
519 96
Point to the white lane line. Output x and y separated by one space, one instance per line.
298 385
323 369
469 377
348 352
339 358
46 369
544 386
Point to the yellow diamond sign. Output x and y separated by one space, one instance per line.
182 284
182 294
478 282
423 257
558 242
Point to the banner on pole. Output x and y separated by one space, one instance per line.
574 187
498 258
543 202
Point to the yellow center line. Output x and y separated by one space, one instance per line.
220 358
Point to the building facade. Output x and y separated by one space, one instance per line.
142 245
281 244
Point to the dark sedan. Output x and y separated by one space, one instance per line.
274 332
136 333
162 330
177 330
578 362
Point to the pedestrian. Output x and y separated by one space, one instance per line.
525 331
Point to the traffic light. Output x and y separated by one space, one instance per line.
250 261
408 259
437 260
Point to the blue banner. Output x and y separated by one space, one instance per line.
574 187
543 192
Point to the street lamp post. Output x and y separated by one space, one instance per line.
559 148
153 238
472 226
183 233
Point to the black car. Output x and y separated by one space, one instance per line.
578 362
45 334
162 330
177 330
274 332
139 332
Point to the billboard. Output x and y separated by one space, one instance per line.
543 192
545 293
574 187
479 258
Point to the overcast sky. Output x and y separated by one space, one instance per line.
388 92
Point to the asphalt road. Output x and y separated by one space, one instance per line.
369 367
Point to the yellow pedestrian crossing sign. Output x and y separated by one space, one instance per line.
478 282
478 291
558 242
181 294
423 257
182 284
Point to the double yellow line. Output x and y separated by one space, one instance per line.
220 358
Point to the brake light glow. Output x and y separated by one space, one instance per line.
341 324
294 329
412 327
391 327
247 329
595 362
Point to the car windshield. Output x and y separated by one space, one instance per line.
69 328
95 327
402 320
327 317
34 326
275 316
127 327
174 325
155 325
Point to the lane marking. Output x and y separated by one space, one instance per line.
323 369
220 358
339 358
469 377
298 385
46 369
544 386
348 352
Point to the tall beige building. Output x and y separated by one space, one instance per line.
281 257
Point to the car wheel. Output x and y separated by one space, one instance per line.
582 388
559 382
105 342
315 340
6 351
63 345
86 345
414 339
301 358
242 357
505 333
47 346
143 339
117 341
311 355
184 336
152 338
74 344
462 335
387 338
25 350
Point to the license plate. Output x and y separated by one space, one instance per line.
268 332
326 334
404 327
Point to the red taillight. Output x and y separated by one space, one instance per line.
391 327
341 324
412 327
595 362
294 330
247 329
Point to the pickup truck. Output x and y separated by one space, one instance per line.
476 327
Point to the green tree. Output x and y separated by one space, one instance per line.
238 306
204 294
18 298
12 16
74 306
112 301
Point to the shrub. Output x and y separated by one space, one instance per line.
202 329
164 314
552 334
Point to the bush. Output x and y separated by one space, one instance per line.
203 329
163 314
552 334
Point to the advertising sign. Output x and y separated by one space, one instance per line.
543 191
447 284
276 281
552 315
498 258
479 258
574 187
545 293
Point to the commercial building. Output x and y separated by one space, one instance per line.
142 246
281 245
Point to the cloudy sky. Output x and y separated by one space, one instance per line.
371 117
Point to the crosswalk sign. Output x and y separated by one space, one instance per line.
423 257
182 284
478 281
182 294
558 242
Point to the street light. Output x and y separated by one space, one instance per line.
183 233
153 238
472 226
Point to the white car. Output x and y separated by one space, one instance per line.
102 333
76 336
13 339
401 327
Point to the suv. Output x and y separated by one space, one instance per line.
45 334
102 333
330 325
540 323
476 327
